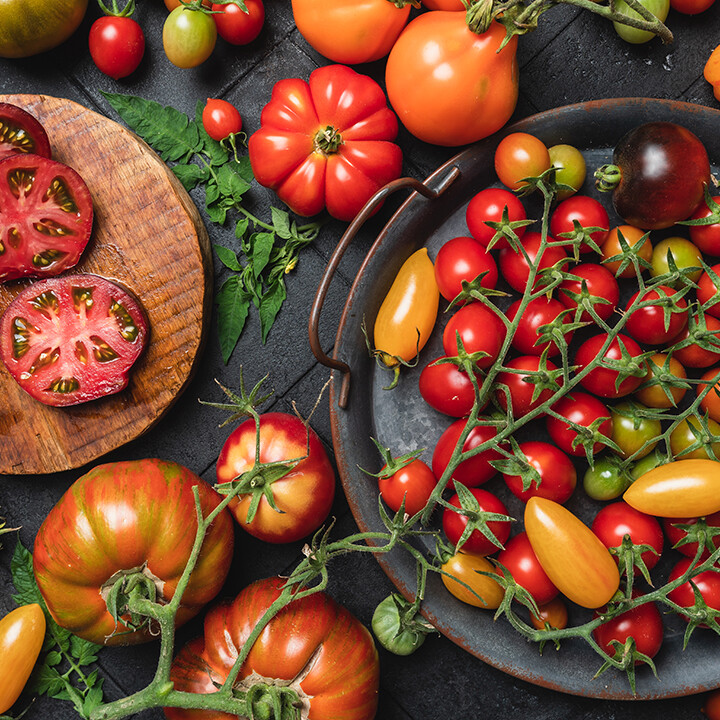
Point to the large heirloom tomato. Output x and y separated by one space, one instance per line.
124 522
313 647
326 142
448 84
303 496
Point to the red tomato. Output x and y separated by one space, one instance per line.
557 473
643 623
463 258
71 339
147 508
522 563
50 221
538 312
518 156
584 210
691 7
454 524
480 330
220 118
553 614
414 482
313 647
117 45
675 534
711 706
603 381
326 143
236 26
711 402
21 132
488 206
705 237
648 324
615 521
590 279
446 388
303 496
708 583
583 410
514 267
693 354
472 471
708 291
519 385
473 83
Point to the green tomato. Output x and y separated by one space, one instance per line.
571 168
398 636
648 463
634 434
189 36
605 480
659 8
683 253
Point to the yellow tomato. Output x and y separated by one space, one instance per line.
464 567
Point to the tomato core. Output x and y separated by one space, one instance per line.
327 140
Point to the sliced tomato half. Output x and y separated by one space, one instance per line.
21 132
46 217
74 338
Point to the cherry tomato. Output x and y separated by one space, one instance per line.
236 26
524 567
662 370
557 473
467 568
583 410
711 402
514 267
117 45
691 7
688 432
447 388
189 37
519 385
643 623
604 381
537 313
605 480
711 706
463 258
518 156
711 71
552 614
693 354
570 168
172 4
649 324
599 282
611 247
614 521
675 534
707 582
635 36
706 237
454 524
414 482
21 132
573 557
443 4
634 434
708 291
220 118
584 210
488 206
480 330
684 254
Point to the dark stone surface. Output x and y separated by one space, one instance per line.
572 57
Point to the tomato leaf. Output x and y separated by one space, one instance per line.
270 306
228 258
233 303
27 591
190 175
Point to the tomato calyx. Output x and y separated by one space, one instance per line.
267 701
391 464
327 140
129 595
698 532
607 177
116 11
626 657
398 625
629 557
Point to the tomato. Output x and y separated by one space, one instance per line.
220 118
706 237
711 71
684 255
348 31
659 387
147 508
691 7
443 4
447 388
599 284
708 291
659 8
236 26
711 402
633 432
585 211
557 476
605 480
303 496
518 156
463 259
649 462
472 82
29 27
612 248
552 614
72 339
538 313
681 488
326 143
394 630
688 345
313 647
407 314
570 168
583 410
614 521
520 385
658 175
21 132
606 381
690 431
711 706
488 206
454 524
22 633
657 322
675 534
573 557
189 36
643 623
524 567
117 45
172 4
46 217
472 471
514 267
707 583
467 568
480 330
413 483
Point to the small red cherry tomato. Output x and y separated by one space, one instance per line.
220 118
480 330
558 477
648 324
643 623
598 282
538 312
463 258
707 582
519 385
236 26
514 267
586 211
553 614
488 206
414 482
708 292
711 401
705 237
711 707
446 388
692 354
117 45
583 410
604 381
522 563
675 534
519 156
454 524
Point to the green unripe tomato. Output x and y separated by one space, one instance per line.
659 8
189 37
386 626
631 431
684 255
649 462
605 480
571 168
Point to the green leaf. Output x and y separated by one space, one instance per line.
53 658
233 304
262 245
228 258
231 182
93 699
270 306
21 567
281 223
190 175
47 681
84 651
241 227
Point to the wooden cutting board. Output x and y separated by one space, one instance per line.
148 235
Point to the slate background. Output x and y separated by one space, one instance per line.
573 56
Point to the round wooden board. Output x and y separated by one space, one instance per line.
148 235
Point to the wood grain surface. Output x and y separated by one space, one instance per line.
148 235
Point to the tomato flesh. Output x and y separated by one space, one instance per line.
21 132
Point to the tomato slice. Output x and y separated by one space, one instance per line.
21 132
46 217
71 339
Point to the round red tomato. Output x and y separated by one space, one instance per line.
711 401
117 45
707 582
518 156
643 623
614 521
706 237
454 524
488 206
688 345
611 382
21 132
537 313
691 7
413 482
675 534
472 471
585 211
520 385
557 475
583 410
147 508
221 118
648 323
303 496
524 567
447 388
336 150
480 329
514 267
49 222
313 647
590 284
463 258
236 26
708 291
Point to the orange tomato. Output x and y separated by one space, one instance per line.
711 402
611 247
464 567
711 72
554 613
654 396
443 4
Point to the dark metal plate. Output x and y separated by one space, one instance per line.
402 421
